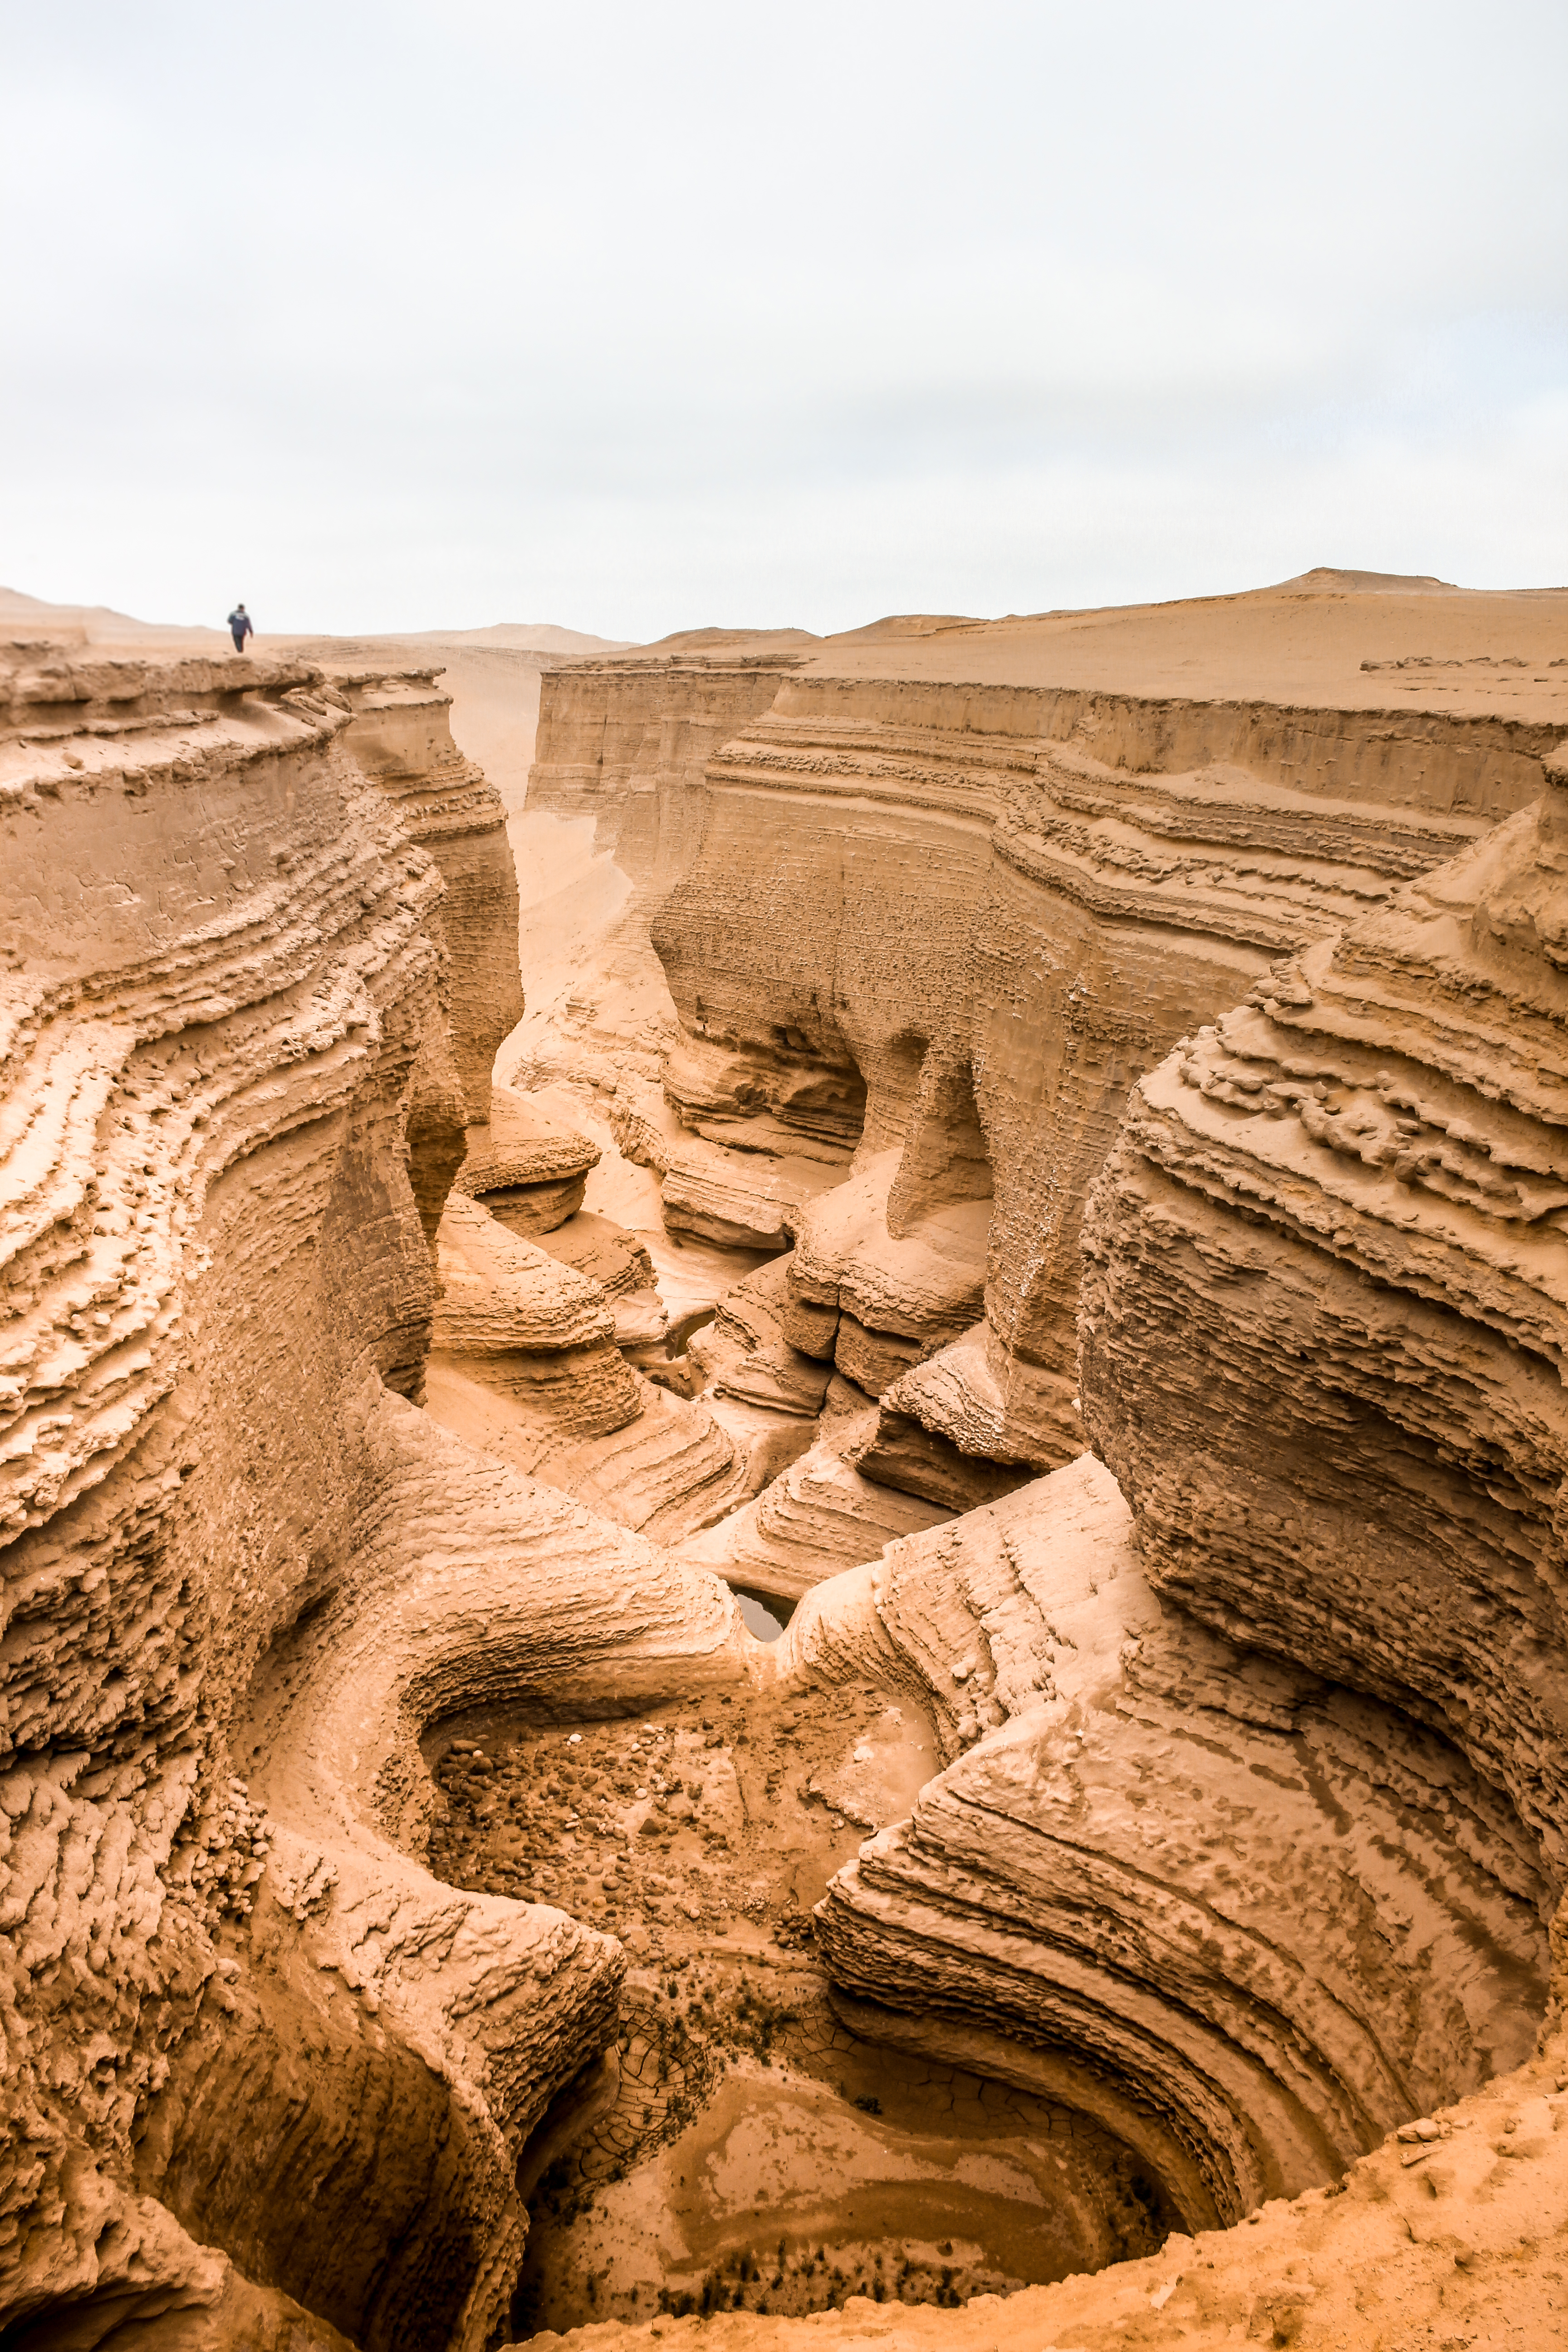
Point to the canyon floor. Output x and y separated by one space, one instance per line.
744 2149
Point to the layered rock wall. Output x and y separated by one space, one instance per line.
626 742
1248 1922
1251 1812
1347 1196
986 910
227 1003
401 736
1254 1857
1252 1829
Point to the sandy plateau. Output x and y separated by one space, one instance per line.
782 1473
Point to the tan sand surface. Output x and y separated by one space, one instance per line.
1329 639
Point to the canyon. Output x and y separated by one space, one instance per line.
783 1506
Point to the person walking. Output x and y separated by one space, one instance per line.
240 628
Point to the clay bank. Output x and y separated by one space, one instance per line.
859 1630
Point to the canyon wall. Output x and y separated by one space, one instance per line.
942 928
1248 1826
611 819
233 1036
401 736
1348 1196
1249 1921
627 743
1249 1838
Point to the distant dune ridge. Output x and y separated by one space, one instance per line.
101 624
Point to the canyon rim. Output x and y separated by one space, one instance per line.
783 1482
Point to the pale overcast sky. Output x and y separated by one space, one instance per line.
641 317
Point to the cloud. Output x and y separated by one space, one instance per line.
636 317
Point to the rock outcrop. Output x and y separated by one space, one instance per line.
1364 1938
877 1291
666 1470
229 1043
528 1366
1347 1198
973 916
616 1260
818 1514
626 742
525 1169
742 1181
538 1329
400 735
1253 1819
1250 1831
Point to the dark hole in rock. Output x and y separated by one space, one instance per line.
764 1614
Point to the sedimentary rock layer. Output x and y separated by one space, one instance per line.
626 742
732 1173
877 1291
666 1470
226 1008
981 913
534 1328
401 736
1251 1810
1251 2005
1323 1311
1452 2232
527 1170
816 1515
1258 1853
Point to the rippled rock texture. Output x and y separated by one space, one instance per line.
246 1017
949 927
1348 1195
525 1168
1248 1827
627 743
400 735
1258 1922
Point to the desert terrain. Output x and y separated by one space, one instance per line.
784 1490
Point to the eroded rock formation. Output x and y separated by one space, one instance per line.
400 734
1348 1195
1248 1824
982 914
229 1043
328 1426
1364 1938
525 1169
627 743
